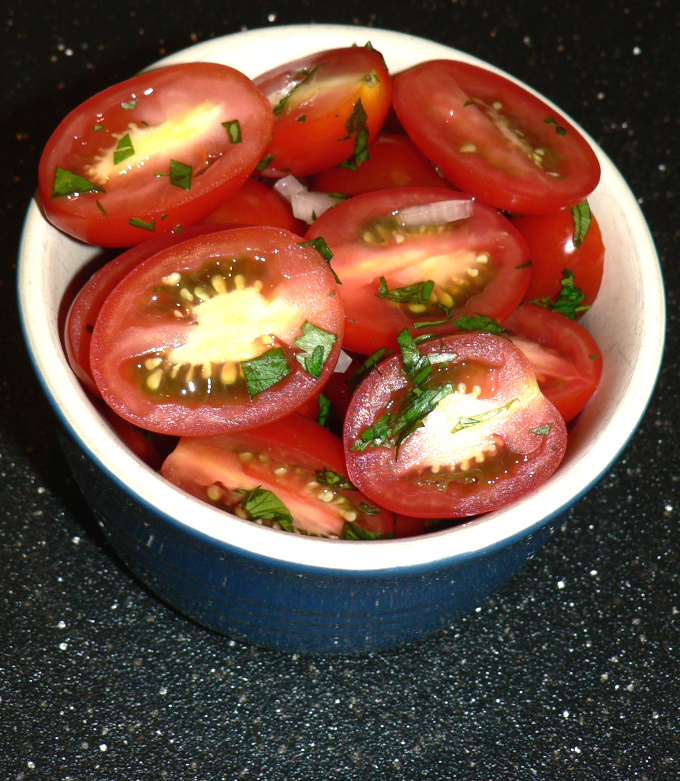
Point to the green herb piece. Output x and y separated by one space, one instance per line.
479 322
137 222
316 345
233 128
69 183
417 293
324 250
180 175
561 131
264 371
325 413
263 505
266 161
280 107
302 118
123 150
97 128
569 301
332 479
101 208
129 105
368 509
350 531
542 431
371 362
482 417
356 126
582 220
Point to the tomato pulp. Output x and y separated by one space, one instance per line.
154 153
227 330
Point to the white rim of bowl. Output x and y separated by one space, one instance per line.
591 456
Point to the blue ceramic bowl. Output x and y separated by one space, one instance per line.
297 593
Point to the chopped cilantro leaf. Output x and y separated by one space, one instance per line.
265 370
316 345
263 505
582 220
69 183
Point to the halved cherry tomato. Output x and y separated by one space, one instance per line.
83 312
456 428
555 245
227 330
254 203
564 356
158 151
479 264
493 138
327 106
289 474
395 161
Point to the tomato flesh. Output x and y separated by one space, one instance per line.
214 334
491 439
327 106
154 153
297 461
494 139
478 265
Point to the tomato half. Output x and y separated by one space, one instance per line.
554 244
254 203
227 330
565 357
83 312
478 264
493 138
289 474
462 430
327 106
395 161
158 151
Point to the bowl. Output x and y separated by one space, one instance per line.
303 594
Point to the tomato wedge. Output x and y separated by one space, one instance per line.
565 357
477 264
452 428
227 330
326 108
288 475
494 139
153 153
83 312
395 161
560 242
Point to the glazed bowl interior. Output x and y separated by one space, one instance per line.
627 320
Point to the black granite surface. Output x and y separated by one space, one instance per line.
571 672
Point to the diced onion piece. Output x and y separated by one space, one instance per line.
436 213
344 362
308 206
288 186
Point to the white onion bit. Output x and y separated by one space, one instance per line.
344 362
436 213
288 186
308 206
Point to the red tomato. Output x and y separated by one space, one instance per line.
493 138
551 240
227 330
469 437
478 264
395 161
565 357
149 447
158 151
327 106
256 204
84 310
289 474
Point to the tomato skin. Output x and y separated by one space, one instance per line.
395 161
280 450
254 203
372 322
565 357
146 195
84 310
462 118
137 322
550 238
311 132
415 482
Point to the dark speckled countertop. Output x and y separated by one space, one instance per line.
572 671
